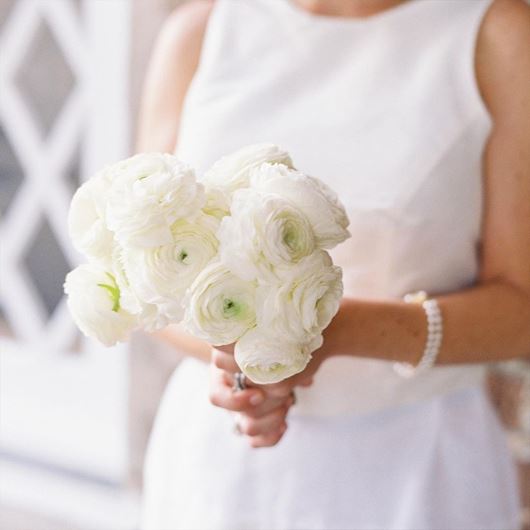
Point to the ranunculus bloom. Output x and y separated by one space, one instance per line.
220 307
86 220
94 302
217 203
263 235
148 193
311 196
302 305
231 172
266 358
161 275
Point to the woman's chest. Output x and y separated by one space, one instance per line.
396 145
379 142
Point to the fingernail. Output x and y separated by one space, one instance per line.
256 399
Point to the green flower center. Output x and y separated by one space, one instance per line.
290 237
113 291
230 308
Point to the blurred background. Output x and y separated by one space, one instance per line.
74 417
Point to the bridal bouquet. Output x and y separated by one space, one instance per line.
238 256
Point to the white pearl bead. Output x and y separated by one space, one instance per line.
434 335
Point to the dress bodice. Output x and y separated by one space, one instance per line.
386 110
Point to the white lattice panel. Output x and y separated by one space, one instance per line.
63 113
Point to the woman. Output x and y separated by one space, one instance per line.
418 114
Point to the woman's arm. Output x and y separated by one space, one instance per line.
172 66
171 69
490 322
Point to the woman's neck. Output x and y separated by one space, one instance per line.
347 8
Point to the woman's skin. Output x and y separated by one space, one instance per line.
488 322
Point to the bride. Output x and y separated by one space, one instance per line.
418 114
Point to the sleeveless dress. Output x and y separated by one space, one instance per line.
387 111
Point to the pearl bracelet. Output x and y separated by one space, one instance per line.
434 335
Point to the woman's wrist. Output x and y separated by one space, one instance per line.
389 330
338 338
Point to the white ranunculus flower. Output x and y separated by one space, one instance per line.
220 307
263 235
310 195
86 220
161 275
265 359
217 203
231 172
94 302
128 299
303 304
151 317
149 192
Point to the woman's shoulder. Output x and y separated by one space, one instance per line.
506 29
507 12
503 53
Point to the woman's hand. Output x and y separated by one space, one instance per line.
259 416
262 409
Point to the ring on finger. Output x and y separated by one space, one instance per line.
240 382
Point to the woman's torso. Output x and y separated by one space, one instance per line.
387 112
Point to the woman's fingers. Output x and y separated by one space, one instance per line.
268 440
279 390
224 361
222 395
308 381
229 348
268 405
235 401
261 416
267 424
286 387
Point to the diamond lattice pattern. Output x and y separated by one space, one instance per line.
44 79
42 122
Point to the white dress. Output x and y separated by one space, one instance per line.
386 110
